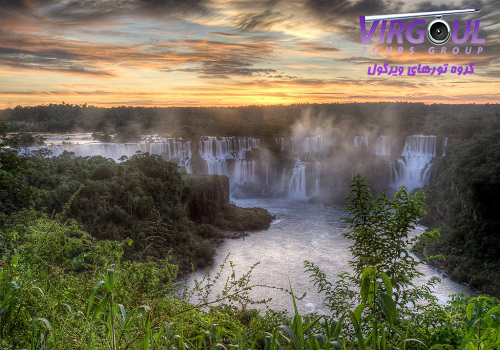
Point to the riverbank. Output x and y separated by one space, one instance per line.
301 231
214 217
463 201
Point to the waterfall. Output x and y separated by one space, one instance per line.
245 144
316 173
244 171
383 146
412 169
169 148
283 181
305 178
214 153
107 150
308 144
283 144
313 144
360 140
30 151
445 143
267 174
172 149
394 177
297 186
217 151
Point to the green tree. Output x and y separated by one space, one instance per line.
464 198
15 193
382 231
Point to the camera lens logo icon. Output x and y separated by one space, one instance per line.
438 32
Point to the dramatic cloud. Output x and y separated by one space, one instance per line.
207 58
212 59
316 48
349 9
226 52
49 60
77 11
260 21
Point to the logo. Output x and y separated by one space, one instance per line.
437 32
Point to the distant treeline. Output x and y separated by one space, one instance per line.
260 121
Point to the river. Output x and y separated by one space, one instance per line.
301 231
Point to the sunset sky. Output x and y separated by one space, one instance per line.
225 52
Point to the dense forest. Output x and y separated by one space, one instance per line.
464 197
130 123
91 249
143 202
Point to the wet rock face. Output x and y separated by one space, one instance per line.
250 190
208 203
208 196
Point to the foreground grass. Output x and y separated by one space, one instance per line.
103 322
62 289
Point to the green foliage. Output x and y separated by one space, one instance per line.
378 308
140 200
50 264
102 137
338 296
25 139
15 193
482 324
105 321
263 121
381 229
463 200
61 288
383 267
144 201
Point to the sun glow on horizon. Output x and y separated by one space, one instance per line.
214 53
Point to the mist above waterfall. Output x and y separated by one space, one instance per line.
312 134
313 157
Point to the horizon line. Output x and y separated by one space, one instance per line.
86 105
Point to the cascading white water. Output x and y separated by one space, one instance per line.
30 151
244 171
445 143
297 186
107 150
267 174
360 140
283 182
413 167
316 173
383 146
168 148
303 181
174 149
283 144
212 152
245 144
217 151
313 144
